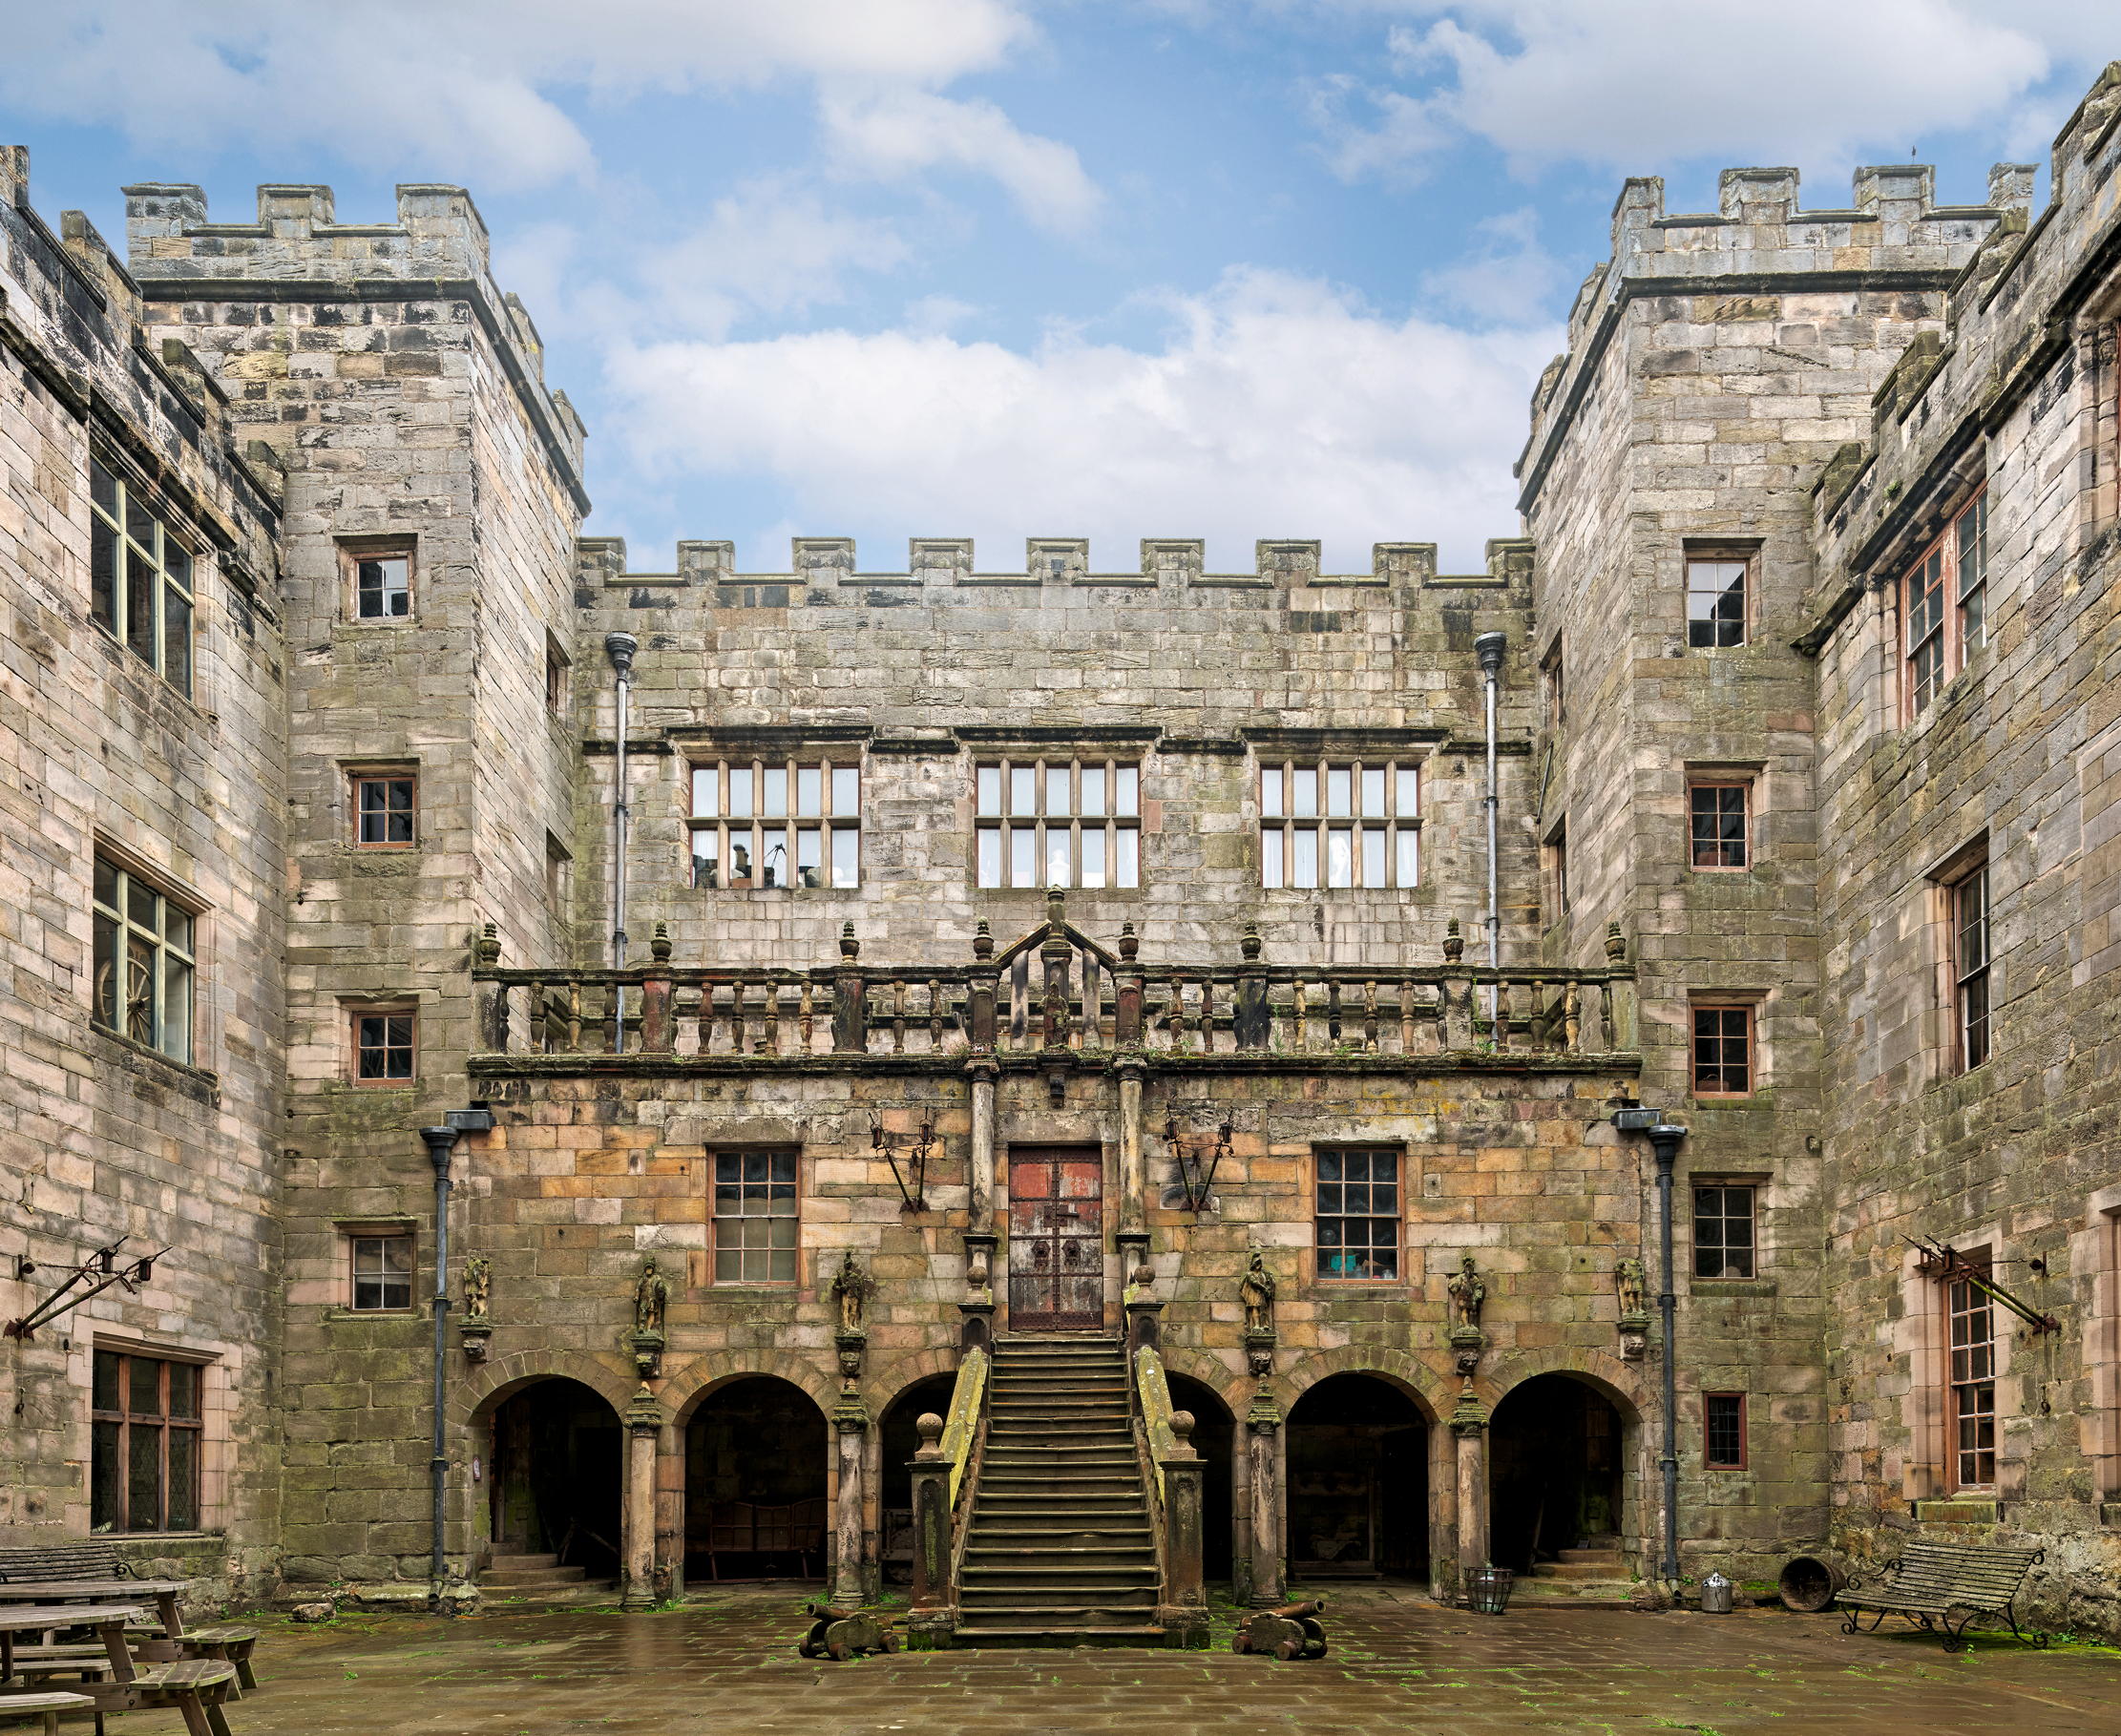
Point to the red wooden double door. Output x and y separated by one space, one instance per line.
1055 1237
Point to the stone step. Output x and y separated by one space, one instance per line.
1135 1599
1030 1552
532 1579
1577 1570
1574 1593
1086 1481
509 1563
1608 1558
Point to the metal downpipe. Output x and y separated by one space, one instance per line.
1489 648
619 647
1664 1141
441 1145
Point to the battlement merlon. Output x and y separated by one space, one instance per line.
437 248
817 562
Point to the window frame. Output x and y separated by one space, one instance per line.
1708 1459
114 544
1971 978
998 826
126 1420
1938 642
1555 860
355 552
1695 1009
558 677
761 834
1971 1399
1275 786
116 914
356 1018
354 1237
1704 784
1725 1186
717 1155
1397 1218
1747 560
359 776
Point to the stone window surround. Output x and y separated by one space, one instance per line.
1744 1461
217 1370
352 550
2095 1256
559 675
351 1009
358 771
1951 632
188 898
1922 1335
1939 883
1753 1002
1554 876
1745 549
1750 774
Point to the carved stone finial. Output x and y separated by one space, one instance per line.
1453 943
850 948
930 1428
982 941
489 945
1616 945
1129 943
659 948
1249 943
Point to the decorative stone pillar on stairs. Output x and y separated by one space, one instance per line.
1133 1238
1183 1612
644 1420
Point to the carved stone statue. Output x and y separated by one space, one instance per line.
651 1298
852 1288
1631 1284
1257 1291
478 1286
1468 1291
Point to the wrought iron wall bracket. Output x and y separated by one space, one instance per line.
101 1265
1942 1261
1196 1173
912 1179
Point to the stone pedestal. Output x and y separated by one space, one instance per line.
930 1614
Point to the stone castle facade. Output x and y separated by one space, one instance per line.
1042 951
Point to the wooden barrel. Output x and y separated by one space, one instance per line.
1808 1585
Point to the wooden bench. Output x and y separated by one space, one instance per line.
44 1707
195 1686
91 1560
228 1643
1931 1581
743 1528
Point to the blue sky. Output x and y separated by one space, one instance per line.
1115 268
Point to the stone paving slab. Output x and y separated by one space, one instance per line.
1398 1663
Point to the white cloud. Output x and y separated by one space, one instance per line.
1506 278
462 84
1277 407
893 133
1625 83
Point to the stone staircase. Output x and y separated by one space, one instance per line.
535 1576
1057 1550
1595 1573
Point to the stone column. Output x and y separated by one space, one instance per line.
1262 1440
980 1178
1133 1235
1469 1423
644 1430
850 1423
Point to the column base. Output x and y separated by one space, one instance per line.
1185 1627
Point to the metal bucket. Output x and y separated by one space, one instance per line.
1808 1585
1488 1589
1715 1595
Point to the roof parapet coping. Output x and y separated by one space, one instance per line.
818 561
438 233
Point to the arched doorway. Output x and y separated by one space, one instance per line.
1554 1472
899 1440
755 1481
1213 1435
554 1491
1358 1482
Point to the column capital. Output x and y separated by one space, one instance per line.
644 1414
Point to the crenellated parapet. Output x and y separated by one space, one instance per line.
827 563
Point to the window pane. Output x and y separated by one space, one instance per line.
774 863
1024 856
177 639
706 790
1059 863
846 792
1373 855
106 1381
139 604
177 1010
847 856
104 1477
990 789
139 990
1304 791
1092 792
1270 855
1093 856
1304 869
177 564
1372 791
103 992
1340 791
184 1479
139 522
1269 792
144 1389
1340 857
807 859
1408 869
1023 789
739 791
776 792
102 486
1058 800
1409 801
706 870
1127 871
810 791
990 855
1127 791
103 575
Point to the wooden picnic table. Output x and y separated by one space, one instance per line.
108 1618
164 1593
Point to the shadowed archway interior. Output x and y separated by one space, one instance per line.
1358 1482
555 1484
1213 1432
755 1483
900 1439
1554 1470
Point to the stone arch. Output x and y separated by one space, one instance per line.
1235 1390
493 1383
1617 1380
1417 1379
1365 1483
1557 1458
750 1494
682 1391
887 1381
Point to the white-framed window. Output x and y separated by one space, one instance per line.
1341 822
776 822
378 581
1058 822
141 588
382 1270
143 962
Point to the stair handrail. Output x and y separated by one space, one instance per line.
1163 1439
964 1444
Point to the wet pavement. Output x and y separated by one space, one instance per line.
1397 1662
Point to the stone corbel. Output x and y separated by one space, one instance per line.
648 1354
1259 1350
474 1335
1634 1337
1468 1342
851 1345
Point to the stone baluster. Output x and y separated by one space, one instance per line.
575 1016
1454 1015
898 1015
936 1005
771 1044
1252 1021
1572 1019
979 996
1332 1013
537 1011
1127 1010
1300 1014
1406 1016
849 1000
655 1034
1499 1031
1370 1015
1620 1022
806 1016
1055 953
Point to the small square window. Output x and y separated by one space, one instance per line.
1722 1051
1723 1420
1717 599
1357 1212
384 1048
385 811
382 582
382 1272
1719 822
1725 1238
